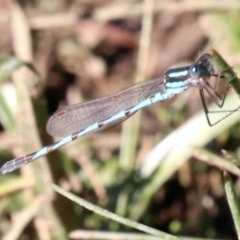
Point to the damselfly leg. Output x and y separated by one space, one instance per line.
217 94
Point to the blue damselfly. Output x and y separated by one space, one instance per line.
80 119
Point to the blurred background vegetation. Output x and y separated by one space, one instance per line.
146 169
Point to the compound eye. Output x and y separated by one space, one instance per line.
195 71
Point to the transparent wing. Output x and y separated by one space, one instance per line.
77 117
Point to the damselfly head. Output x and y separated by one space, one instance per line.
197 71
206 62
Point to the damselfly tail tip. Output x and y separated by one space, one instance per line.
8 167
3 169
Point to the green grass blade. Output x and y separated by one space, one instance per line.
226 70
232 201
